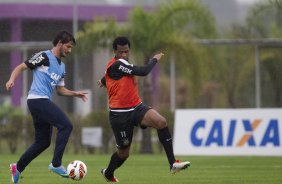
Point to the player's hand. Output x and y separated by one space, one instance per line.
158 56
100 84
9 85
82 95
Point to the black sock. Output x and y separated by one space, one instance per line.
115 162
166 140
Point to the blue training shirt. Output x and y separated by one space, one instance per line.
48 72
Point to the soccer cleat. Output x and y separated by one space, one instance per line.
59 170
113 179
178 166
15 173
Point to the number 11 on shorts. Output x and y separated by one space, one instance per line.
123 134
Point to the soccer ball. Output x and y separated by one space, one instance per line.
77 170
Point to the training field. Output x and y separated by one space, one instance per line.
153 169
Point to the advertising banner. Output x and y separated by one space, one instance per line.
228 132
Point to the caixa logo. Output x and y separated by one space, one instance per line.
235 133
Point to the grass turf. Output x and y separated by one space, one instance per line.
153 169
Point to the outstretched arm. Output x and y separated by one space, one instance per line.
15 73
122 68
61 90
145 70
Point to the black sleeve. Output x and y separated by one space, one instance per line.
122 68
37 59
103 81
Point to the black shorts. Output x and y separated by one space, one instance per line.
123 123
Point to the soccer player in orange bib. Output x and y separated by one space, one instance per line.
128 111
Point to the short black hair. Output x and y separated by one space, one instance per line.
64 37
121 40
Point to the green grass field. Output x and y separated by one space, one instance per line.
147 169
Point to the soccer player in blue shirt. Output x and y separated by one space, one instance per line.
48 75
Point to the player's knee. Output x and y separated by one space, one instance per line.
162 123
123 154
69 127
47 144
44 144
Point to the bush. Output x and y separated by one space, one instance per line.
11 122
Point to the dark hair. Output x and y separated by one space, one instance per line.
121 40
64 37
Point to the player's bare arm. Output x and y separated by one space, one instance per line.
61 90
16 72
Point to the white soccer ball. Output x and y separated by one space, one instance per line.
77 170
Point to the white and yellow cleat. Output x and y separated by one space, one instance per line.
178 166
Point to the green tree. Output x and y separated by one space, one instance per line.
270 26
269 14
232 80
272 70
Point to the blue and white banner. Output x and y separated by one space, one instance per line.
228 132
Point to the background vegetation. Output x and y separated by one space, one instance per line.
206 76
